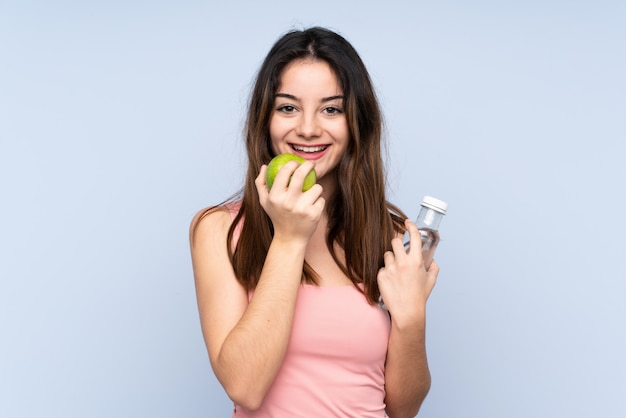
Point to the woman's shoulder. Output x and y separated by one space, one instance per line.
213 220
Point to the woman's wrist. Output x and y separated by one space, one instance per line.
411 319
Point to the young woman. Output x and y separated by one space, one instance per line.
288 281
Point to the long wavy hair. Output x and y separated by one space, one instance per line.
360 219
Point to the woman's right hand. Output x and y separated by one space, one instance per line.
295 214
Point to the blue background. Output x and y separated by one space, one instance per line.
119 120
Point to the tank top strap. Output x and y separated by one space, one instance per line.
233 208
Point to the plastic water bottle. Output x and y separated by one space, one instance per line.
429 218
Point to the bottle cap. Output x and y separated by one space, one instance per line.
435 204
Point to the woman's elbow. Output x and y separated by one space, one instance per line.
245 396
408 407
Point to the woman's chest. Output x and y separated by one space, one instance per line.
337 322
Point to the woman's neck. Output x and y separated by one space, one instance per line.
329 184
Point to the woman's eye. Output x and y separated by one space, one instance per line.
286 109
332 110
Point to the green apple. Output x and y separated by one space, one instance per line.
282 159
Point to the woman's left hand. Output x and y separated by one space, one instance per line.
404 282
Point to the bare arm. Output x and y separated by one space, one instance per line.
247 341
407 377
405 286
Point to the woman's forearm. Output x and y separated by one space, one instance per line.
254 350
407 377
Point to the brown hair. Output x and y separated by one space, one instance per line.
360 219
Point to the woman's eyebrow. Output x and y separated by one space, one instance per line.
330 98
287 96
324 99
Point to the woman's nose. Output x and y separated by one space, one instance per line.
308 126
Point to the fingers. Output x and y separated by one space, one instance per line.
260 183
414 236
293 213
291 175
320 202
415 249
433 270
284 175
432 273
289 181
260 179
388 258
397 246
298 176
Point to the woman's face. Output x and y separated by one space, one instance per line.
308 117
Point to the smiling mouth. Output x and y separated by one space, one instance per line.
301 148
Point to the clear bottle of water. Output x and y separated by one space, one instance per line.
428 220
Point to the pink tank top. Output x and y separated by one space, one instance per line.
335 360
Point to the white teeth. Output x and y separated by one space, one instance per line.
309 149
